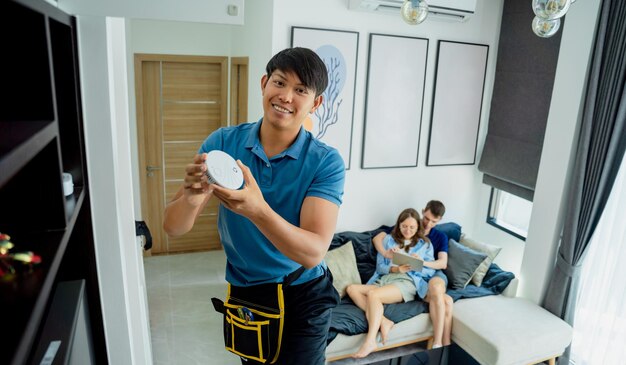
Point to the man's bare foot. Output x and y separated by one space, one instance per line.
385 327
366 348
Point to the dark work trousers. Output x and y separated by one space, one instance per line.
307 321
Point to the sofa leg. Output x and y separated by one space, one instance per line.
551 361
429 345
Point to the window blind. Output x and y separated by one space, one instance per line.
520 103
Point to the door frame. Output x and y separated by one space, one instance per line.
238 90
158 234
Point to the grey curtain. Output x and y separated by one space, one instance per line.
600 150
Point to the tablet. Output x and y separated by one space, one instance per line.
400 258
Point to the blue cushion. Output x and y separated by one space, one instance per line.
451 229
462 263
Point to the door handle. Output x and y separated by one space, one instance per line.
151 170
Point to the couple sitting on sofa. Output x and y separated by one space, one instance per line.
395 284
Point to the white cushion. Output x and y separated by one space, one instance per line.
490 250
342 264
497 330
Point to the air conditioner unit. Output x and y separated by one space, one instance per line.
446 10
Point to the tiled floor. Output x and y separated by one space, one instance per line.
184 327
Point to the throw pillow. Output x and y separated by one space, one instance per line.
450 229
462 263
490 250
342 264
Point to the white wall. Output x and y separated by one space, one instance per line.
182 38
267 30
558 150
388 191
105 111
254 40
214 11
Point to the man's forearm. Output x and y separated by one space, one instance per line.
179 217
438 264
307 244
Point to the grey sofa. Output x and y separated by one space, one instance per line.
495 329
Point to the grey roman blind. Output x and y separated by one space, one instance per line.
522 90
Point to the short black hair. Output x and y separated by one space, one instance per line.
436 208
303 62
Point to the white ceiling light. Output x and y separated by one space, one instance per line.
414 11
548 15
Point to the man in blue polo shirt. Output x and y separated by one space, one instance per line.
285 215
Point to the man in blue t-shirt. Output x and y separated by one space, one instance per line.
439 303
285 215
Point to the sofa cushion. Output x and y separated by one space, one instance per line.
462 263
498 330
490 250
363 249
450 229
342 264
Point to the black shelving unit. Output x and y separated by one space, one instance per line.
41 136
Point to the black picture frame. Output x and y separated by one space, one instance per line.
458 94
396 79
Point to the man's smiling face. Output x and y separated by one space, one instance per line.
286 101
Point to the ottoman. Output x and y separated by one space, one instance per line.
498 330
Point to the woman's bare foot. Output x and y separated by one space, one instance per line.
385 327
366 348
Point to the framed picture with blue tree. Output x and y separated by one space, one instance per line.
332 122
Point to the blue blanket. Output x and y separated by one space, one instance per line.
350 320
495 281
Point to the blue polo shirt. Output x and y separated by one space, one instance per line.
307 168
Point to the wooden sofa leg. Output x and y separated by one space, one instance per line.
551 361
429 345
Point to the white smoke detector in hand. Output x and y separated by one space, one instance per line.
223 170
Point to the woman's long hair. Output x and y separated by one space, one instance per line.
396 233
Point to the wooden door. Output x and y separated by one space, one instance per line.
180 101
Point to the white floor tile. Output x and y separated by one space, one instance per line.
185 328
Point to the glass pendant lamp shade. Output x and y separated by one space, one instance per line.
551 9
414 11
545 28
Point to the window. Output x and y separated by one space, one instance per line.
509 213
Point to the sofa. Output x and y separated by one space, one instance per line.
489 322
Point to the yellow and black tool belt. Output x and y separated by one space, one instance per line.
254 319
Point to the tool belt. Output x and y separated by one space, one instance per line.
254 317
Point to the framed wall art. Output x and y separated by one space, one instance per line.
457 103
394 100
332 121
